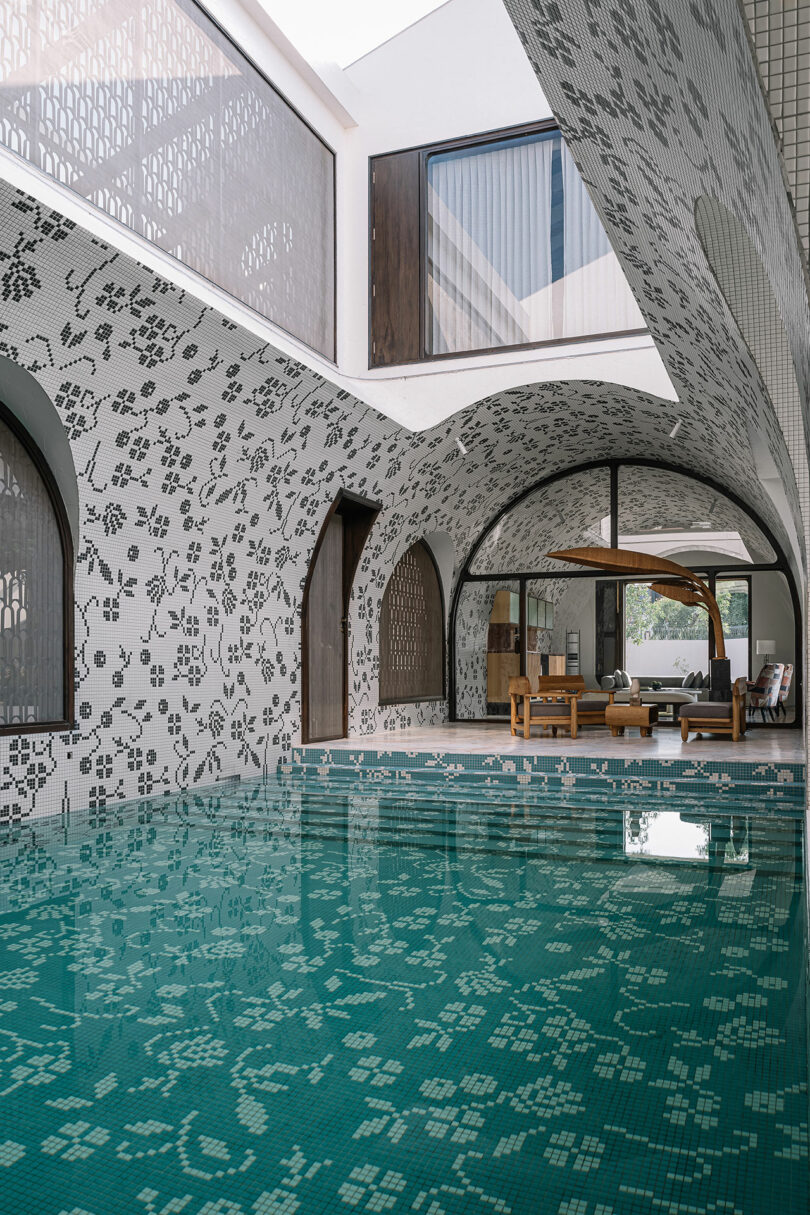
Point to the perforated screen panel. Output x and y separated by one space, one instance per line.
148 111
412 631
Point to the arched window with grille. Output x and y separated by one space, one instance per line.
412 630
36 589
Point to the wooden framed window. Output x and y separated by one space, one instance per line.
412 631
488 243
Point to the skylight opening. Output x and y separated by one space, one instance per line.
325 32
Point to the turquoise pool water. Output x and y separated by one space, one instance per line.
270 1000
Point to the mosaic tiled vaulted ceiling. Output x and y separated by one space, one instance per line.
575 511
565 514
657 113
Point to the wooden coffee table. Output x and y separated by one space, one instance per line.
643 716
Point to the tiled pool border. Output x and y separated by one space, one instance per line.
774 779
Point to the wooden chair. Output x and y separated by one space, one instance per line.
550 706
717 716
590 712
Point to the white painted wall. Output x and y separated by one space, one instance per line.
674 659
460 69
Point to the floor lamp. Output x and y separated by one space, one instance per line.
766 648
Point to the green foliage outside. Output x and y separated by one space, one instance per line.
651 617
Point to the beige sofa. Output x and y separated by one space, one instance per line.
671 692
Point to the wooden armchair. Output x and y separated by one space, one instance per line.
717 716
551 705
590 712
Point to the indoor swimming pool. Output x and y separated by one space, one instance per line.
284 997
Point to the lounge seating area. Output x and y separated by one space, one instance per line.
664 690
564 703
558 702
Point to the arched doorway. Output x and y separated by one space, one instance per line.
595 623
325 609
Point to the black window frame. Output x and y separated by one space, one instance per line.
66 722
713 571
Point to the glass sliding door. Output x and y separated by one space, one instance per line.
487 648
734 601
663 639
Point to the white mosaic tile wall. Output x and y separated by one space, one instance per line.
206 461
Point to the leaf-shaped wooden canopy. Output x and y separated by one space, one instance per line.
677 590
628 561
625 561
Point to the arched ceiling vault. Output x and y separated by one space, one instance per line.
516 438
658 112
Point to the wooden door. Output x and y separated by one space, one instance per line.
326 638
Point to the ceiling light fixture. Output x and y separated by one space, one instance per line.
461 446
673 434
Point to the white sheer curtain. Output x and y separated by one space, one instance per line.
596 297
489 246
493 279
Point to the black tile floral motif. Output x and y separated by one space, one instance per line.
206 460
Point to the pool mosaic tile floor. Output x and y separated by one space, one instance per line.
268 1000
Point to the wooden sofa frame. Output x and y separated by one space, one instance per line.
734 725
528 708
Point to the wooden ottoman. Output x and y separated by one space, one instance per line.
643 716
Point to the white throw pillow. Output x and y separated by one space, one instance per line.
625 679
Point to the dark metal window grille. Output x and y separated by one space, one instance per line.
412 631
32 639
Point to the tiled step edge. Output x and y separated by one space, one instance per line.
763 777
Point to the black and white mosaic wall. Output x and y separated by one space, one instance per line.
660 106
206 462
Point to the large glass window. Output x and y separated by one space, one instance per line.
516 253
565 618
663 639
734 601
148 111
487 647
32 592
